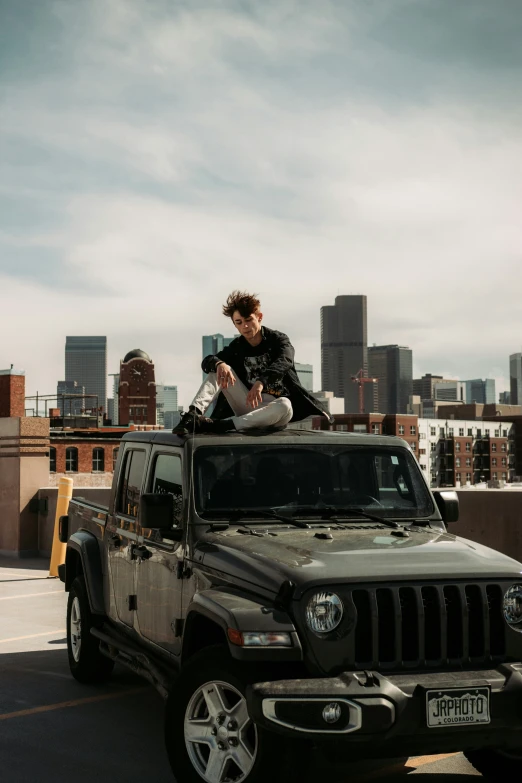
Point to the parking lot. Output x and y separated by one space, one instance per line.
51 726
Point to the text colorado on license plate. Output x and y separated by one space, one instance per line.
457 707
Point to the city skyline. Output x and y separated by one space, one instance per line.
368 152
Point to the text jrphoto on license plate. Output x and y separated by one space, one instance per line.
457 707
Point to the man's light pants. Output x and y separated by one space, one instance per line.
272 411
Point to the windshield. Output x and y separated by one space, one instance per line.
301 480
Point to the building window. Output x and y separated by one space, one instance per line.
375 429
413 446
493 447
494 462
114 458
505 433
495 475
479 433
450 432
487 432
433 430
457 462
441 432
497 433
71 459
360 428
503 447
468 462
413 430
461 432
422 451
470 433
458 476
423 467
468 446
504 462
341 427
52 460
504 476
457 446
401 429
468 476
433 446
98 460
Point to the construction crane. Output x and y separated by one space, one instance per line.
360 379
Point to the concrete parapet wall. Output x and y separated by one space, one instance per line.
98 480
492 517
99 495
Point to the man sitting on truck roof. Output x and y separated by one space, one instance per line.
253 380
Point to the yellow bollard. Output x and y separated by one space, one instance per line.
65 490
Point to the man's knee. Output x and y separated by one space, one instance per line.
286 409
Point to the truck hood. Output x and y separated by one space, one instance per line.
355 555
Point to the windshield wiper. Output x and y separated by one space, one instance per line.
236 514
332 512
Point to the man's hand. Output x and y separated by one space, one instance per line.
225 376
254 398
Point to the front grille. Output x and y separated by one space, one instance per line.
430 626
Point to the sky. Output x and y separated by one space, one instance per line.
156 154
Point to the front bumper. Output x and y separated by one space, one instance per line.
385 715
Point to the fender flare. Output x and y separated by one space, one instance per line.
229 608
86 546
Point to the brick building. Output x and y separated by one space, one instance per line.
137 389
12 393
403 425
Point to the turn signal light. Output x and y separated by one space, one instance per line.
259 639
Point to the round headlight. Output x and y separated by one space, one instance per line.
324 612
513 607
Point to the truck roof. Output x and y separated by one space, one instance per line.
286 436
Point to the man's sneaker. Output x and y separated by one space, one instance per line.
188 423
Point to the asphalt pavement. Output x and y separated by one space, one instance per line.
53 728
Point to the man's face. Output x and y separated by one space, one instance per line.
248 327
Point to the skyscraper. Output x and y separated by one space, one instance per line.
481 391
166 402
116 397
344 349
86 363
305 373
71 406
515 378
392 366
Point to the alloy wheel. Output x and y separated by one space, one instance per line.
220 737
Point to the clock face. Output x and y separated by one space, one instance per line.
138 371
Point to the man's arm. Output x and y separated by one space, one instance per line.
283 360
210 362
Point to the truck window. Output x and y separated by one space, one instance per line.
131 482
166 479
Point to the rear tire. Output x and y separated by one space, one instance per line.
86 662
208 734
496 765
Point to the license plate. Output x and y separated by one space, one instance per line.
457 707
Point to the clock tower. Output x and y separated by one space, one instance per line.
137 389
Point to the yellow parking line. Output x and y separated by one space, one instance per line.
74 703
29 595
31 636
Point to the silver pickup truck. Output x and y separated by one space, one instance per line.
296 592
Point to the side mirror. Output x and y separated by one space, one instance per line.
448 505
157 511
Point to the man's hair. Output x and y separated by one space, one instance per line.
244 303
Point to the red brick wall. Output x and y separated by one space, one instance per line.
85 451
12 395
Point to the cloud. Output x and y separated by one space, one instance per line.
160 155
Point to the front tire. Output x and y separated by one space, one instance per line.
86 662
496 765
208 733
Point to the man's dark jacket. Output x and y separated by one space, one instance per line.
280 370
